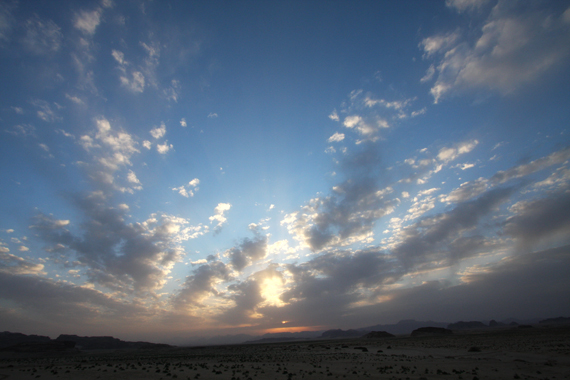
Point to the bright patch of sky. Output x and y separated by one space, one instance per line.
185 169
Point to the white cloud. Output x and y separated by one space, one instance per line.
183 122
136 84
119 56
164 148
42 36
74 99
514 47
449 154
212 115
147 144
465 5
336 137
188 190
334 116
158 132
219 212
87 21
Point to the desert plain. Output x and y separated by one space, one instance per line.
507 353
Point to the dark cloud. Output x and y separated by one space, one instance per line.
350 212
201 283
451 236
61 303
538 220
249 251
523 170
116 254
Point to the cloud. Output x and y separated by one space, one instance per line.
11 264
132 178
188 190
201 284
42 36
451 153
334 116
158 132
446 238
541 221
6 21
87 21
514 47
247 253
212 115
467 190
163 148
42 300
519 171
349 213
25 130
118 255
136 83
336 137
219 216
45 111
183 122
465 5
110 151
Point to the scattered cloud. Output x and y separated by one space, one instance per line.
189 189
158 132
514 47
219 216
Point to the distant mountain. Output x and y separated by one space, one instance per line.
36 343
431 331
338 333
556 320
405 326
8 339
105 342
466 325
378 335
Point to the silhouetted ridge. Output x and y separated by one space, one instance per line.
430 331
466 325
338 333
378 335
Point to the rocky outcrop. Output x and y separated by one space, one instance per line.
431 331
105 342
378 335
8 339
466 325
329 334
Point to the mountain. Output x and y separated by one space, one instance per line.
8 339
405 326
19 342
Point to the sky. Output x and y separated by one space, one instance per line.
178 169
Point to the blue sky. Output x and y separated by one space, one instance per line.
181 169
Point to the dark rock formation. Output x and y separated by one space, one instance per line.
378 335
431 331
466 325
8 339
105 342
29 347
342 334
405 326
556 320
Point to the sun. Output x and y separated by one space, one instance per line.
271 289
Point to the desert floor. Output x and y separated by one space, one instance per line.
510 353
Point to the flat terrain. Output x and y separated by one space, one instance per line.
510 353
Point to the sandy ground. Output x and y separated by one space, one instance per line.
535 353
